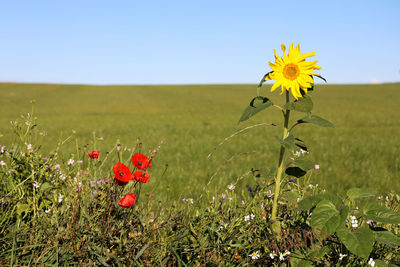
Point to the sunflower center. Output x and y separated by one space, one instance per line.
291 71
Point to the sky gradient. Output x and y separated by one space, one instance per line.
191 42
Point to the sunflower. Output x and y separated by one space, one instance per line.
292 71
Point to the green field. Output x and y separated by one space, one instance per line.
363 149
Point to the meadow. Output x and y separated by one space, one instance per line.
59 205
362 150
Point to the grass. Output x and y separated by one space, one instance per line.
361 151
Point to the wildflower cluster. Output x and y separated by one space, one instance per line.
123 175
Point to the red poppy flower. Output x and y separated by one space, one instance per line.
122 172
141 177
127 201
94 154
141 161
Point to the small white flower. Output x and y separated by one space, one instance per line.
213 198
62 177
310 186
60 198
70 162
2 163
272 255
29 147
48 210
316 166
242 202
35 184
80 161
231 187
57 166
353 221
252 216
371 262
230 198
281 257
387 198
341 256
287 252
246 218
255 255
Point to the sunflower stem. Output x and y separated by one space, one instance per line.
286 114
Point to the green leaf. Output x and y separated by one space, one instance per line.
311 201
355 193
256 105
380 263
288 143
45 186
387 238
265 78
319 76
295 171
314 119
325 217
374 211
343 215
22 208
359 242
304 163
298 142
304 104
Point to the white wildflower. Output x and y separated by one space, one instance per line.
70 162
353 221
281 257
316 167
371 262
60 198
29 147
387 198
57 166
231 187
2 163
35 184
246 218
80 161
341 256
272 255
48 210
255 255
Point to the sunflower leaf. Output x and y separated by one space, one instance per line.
359 242
354 193
304 104
314 119
287 143
265 78
319 76
295 171
256 105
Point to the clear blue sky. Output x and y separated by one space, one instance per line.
189 42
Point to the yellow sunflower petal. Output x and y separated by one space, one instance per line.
275 85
